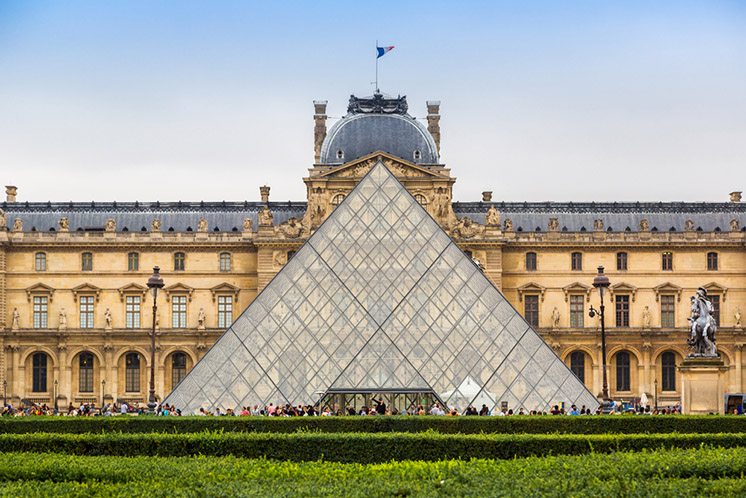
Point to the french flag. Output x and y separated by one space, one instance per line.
383 51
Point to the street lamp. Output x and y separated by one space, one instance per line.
655 394
155 282
103 392
5 392
56 383
601 282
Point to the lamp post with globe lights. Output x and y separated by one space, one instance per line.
155 282
601 282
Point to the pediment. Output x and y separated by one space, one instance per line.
86 288
623 288
531 288
132 288
399 167
667 288
178 288
39 289
716 288
224 288
577 288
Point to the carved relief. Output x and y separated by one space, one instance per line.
248 225
553 224
644 225
64 224
279 258
202 225
508 225
155 226
291 229
111 225
265 217
493 217
18 225
466 228
689 225
316 209
3 220
598 225
734 225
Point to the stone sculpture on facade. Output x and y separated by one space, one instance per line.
18 225
553 224
734 225
64 224
15 324
265 217
3 220
155 226
644 225
508 225
598 225
202 225
111 225
466 228
279 258
201 318
703 327
737 318
291 229
248 225
689 225
555 318
493 217
107 319
63 319
646 318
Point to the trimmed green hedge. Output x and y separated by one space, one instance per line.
701 472
446 425
357 447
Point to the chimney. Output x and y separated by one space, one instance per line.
264 191
319 129
433 121
487 196
11 191
734 196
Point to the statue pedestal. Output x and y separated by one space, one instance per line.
703 386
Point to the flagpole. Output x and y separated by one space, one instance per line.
377 91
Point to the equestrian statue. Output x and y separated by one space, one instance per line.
703 327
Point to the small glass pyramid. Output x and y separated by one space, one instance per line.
380 299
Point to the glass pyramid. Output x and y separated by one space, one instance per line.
380 299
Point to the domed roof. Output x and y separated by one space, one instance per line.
378 123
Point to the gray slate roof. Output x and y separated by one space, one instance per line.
617 216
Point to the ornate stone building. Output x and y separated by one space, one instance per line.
75 313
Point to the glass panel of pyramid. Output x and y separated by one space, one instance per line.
380 298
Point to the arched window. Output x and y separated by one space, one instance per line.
668 371
85 373
225 261
577 365
133 261
86 261
576 261
178 367
179 261
421 199
622 371
340 154
712 261
39 373
417 155
530 261
40 261
132 373
337 199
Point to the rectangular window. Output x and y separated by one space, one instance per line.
133 261
715 300
712 261
577 312
86 312
41 312
667 261
668 311
86 261
225 311
225 261
179 312
179 261
530 261
621 261
577 261
40 261
622 311
132 312
531 309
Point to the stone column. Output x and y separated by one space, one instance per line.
739 365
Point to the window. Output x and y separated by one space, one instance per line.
133 261
225 311
577 311
577 261
41 308
132 373
178 368
40 261
86 312
85 373
225 261
621 261
86 261
179 258
668 371
178 312
712 261
337 199
622 371
291 254
668 312
417 155
667 261
132 312
715 300
531 308
421 199
530 261
577 365
622 311
340 154
39 373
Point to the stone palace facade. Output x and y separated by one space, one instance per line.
76 316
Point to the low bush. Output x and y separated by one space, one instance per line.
444 425
699 472
357 447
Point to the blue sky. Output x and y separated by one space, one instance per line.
208 100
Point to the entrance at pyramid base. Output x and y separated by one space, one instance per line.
398 401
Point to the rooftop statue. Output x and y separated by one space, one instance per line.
377 104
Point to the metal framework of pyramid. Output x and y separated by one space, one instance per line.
380 299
